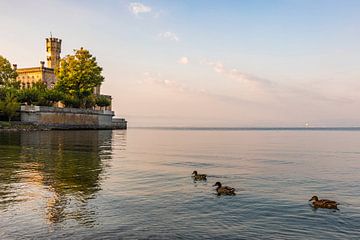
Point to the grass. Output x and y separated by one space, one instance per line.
4 124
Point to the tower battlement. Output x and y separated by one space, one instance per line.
52 39
53 50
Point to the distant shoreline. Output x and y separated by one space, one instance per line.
253 128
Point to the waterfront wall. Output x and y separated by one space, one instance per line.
119 123
68 118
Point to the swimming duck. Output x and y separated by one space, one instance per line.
224 190
323 203
198 177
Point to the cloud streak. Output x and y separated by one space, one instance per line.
139 8
272 90
235 74
157 79
183 61
169 36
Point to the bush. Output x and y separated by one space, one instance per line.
29 95
89 102
10 104
53 95
71 101
103 101
48 97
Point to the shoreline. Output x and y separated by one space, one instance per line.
29 127
19 126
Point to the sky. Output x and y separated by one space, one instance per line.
243 63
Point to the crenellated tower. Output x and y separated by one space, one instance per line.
53 50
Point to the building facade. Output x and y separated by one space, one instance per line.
31 75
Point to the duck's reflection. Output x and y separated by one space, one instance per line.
67 165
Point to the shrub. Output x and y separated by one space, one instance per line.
10 104
103 101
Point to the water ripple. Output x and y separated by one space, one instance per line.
137 184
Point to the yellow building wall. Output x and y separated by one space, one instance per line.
27 79
29 76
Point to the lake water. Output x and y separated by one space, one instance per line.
136 184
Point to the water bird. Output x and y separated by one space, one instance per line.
198 177
323 203
224 190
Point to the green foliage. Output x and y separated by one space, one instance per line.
40 86
52 96
74 102
103 101
89 101
71 101
5 124
10 104
7 74
29 96
78 75
2 93
40 95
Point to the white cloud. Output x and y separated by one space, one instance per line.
158 80
169 35
137 8
151 78
183 60
234 73
261 89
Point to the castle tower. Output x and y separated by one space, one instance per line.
53 50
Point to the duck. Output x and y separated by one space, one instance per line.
198 177
323 203
224 190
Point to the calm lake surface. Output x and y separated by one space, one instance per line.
136 184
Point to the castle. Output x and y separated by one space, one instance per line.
45 74
58 116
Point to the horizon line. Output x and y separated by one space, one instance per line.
357 128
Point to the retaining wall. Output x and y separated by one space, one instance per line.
67 118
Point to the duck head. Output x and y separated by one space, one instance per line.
218 184
314 198
194 173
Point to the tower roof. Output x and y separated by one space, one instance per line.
52 39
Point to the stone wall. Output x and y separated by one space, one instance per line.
119 123
67 118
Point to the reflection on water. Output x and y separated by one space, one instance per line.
64 170
136 184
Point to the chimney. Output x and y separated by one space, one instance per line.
15 66
42 63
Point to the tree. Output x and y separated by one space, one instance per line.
71 101
77 76
29 96
10 104
103 101
7 74
39 94
51 96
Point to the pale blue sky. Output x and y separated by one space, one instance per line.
206 63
